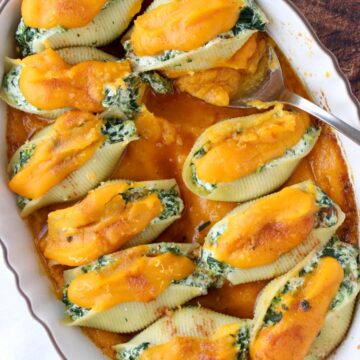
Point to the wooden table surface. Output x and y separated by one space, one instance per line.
337 24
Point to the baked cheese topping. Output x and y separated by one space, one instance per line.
72 141
221 346
183 25
65 13
135 277
304 315
48 82
267 229
98 225
235 153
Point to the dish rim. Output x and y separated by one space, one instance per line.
339 71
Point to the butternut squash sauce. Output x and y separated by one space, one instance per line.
183 25
219 347
241 154
160 153
72 141
98 225
142 279
267 229
65 13
219 85
300 325
48 82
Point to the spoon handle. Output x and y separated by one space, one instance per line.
350 131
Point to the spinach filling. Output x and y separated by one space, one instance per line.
25 154
249 19
126 100
27 37
242 342
117 130
158 83
11 88
134 353
73 311
170 200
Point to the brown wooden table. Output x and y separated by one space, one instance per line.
337 24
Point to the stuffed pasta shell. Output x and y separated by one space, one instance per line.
191 35
243 158
62 23
115 215
191 333
65 160
126 291
267 237
47 85
307 311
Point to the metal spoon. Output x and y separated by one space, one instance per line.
271 87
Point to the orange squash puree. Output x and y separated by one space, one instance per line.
183 25
140 278
72 141
268 138
49 83
235 300
154 157
300 325
219 85
98 225
65 13
267 229
219 347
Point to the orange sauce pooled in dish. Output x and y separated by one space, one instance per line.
98 225
267 229
300 324
49 83
183 25
65 13
135 278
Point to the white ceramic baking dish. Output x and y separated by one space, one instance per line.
315 65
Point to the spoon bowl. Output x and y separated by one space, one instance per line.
271 87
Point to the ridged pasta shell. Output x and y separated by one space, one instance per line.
72 56
336 325
262 182
78 183
153 230
106 26
134 316
206 57
318 236
188 321
330 335
76 55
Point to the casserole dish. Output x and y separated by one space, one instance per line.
324 81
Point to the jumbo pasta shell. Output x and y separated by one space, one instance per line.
207 56
330 335
157 227
10 91
318 236
266 179
188 321
134 316
107 25
78 183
